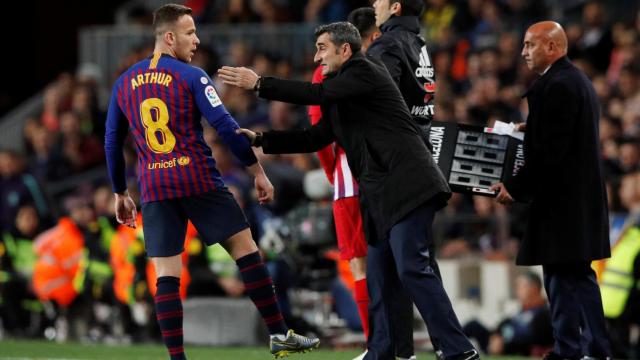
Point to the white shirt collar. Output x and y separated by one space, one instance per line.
545 70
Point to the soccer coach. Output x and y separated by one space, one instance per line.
401 186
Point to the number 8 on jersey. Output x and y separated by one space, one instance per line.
148 108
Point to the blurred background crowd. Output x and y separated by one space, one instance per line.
67 269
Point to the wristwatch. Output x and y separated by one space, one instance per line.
257 141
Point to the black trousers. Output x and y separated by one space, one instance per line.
404 260
577 317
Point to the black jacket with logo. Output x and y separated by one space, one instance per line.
364 112
404 52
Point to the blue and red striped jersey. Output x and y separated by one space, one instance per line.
161 101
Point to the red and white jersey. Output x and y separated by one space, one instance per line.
332 158
344 185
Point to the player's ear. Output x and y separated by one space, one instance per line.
169 37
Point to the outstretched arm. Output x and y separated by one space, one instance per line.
292 141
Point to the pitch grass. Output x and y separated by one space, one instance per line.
41 350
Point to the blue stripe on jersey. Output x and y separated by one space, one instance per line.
189 167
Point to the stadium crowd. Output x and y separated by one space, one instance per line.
63 257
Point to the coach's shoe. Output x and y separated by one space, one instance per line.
412 357
282 345
467 355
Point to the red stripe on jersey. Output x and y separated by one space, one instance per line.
171 173
159 185
145 182
183 177
182 91
156 182
199 168
188 174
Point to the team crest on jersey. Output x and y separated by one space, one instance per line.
212 95
184 160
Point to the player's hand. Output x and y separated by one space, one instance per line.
248 133
264 189
238 76
126 212
503 196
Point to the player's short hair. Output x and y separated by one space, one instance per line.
364 19
340 33
410 7
168 14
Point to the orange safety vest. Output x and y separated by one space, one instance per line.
59 254
343 268
125 248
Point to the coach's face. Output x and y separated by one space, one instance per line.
330 56
185 41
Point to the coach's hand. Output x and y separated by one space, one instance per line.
126 212
503 196
251 135
239 76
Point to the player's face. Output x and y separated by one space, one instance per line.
383 9
186 42
534 52
330 56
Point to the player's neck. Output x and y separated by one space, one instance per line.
163 49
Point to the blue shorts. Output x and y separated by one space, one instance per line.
216 216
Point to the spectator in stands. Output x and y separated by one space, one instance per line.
528 333
47 162
20 310
629 155
596 43
17 188
81 151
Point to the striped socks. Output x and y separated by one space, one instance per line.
169 315
259 286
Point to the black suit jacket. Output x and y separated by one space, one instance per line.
364 112
562 174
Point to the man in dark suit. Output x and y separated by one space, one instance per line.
400 185
562 178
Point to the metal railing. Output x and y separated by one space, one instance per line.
107 46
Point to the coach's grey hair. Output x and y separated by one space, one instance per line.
340 33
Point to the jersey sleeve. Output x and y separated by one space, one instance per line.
115 134
210 105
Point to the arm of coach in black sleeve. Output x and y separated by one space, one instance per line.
307 140
350 82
